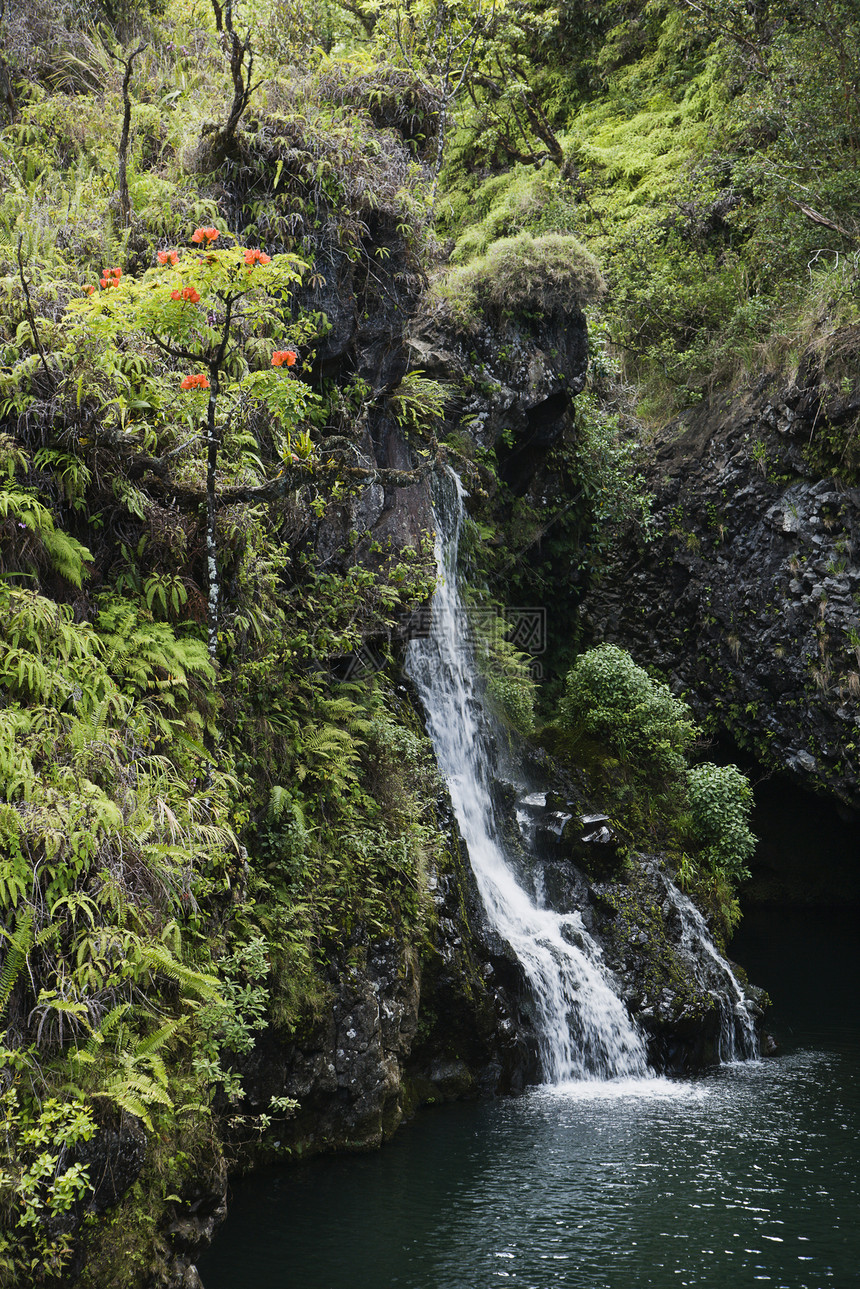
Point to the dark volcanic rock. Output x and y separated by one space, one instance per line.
345 1072
514 382
401 1030
747 596
662 960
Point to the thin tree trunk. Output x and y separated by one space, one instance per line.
211 553
122 160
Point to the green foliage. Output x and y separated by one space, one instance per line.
189 839
610 698
38 544
152 660
720 800
39 1182
231 1019
106 851
633 740
524 275
418 401
706 155
510 686
606 461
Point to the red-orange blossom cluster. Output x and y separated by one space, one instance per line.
190 295
253 257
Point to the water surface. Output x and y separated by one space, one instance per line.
745 1176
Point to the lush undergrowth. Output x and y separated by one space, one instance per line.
705 152
201 805
636 745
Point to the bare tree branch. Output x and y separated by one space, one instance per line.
122 178
31 317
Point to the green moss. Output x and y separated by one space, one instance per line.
524 275
640 920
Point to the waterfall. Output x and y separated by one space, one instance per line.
584 1030
738 1036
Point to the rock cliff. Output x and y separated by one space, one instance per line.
746 595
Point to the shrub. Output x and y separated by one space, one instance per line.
609 698
524 275
720 799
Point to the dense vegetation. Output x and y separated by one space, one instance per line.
637 743
201 805
704 152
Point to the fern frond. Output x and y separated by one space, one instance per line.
158 958
20 942
63 553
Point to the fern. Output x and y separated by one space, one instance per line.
152 661
158 958
59 551
20 942
71 472
279 801
12 457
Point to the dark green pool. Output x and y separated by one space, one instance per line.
746 1177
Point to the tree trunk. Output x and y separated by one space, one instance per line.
211 553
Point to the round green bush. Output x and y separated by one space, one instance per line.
526 275
720 799
610 699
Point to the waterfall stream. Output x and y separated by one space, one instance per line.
738 1036
584 1030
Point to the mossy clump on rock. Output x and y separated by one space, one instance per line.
523 275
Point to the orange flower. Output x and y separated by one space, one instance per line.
176 295
253 257
198 381
167 257
206 235
191 295
89 288
284 356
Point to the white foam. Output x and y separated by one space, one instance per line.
654 1089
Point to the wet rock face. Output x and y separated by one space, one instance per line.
690 1005
345 1073
514 382
474 1037
686 997
114 1157
400 1032
748 596
366 339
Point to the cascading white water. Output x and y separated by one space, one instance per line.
585 1031
738 1036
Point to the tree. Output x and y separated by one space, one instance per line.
203 307
483 50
